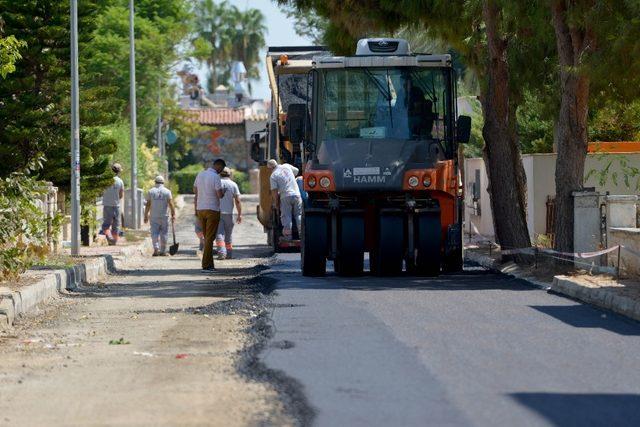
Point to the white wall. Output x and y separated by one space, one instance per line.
540 172
484 221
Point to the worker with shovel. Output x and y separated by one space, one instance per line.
158 199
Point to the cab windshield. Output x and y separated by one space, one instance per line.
401 104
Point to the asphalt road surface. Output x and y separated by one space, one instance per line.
230 349
474 348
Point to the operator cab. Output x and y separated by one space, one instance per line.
384 111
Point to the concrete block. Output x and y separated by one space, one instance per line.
586 223
629 259
7 311
622 211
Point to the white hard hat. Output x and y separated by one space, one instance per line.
272 164
159 179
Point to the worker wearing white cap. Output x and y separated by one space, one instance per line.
158 199
285 188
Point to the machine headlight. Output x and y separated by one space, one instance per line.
414 181
325 182
311 182
426 181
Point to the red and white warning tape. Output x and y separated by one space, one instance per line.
532 250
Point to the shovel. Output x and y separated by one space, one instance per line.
173 249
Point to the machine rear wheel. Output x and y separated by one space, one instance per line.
386 259
274 231
313 247
454 262
350 258
428 243
453 259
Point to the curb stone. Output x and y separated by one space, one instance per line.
509 269
598 297
18 303
564 285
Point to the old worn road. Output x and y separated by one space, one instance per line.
470 349
159 343
476 349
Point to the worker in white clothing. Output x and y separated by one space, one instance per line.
285 195
158 199
224 237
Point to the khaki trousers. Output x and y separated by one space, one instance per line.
209 220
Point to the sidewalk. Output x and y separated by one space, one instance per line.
604 291
39 284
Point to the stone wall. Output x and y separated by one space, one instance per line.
224 141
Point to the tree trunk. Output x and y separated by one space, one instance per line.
507 180
571 134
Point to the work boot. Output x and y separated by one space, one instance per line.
221 256
155 252
229 254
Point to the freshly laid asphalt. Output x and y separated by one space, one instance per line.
474 348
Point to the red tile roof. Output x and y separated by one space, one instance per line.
218 116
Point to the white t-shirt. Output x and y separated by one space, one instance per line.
111 196
207 183
231 190
283 179
159 197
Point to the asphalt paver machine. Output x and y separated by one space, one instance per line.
380 152
287 70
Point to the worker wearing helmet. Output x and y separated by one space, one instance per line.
158 199
285 189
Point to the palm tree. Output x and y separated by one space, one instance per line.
212 42
249 40
225 34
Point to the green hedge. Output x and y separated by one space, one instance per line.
185 178
242 179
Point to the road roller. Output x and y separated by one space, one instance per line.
378 138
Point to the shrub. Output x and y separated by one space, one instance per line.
23 226
242 179
185 178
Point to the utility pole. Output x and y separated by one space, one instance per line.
132 101
75 134
161 146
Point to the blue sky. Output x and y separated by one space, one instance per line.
280 33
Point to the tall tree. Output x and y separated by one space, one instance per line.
249 39
212 43
35 120
574 40
223 34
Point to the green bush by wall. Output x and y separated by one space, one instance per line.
185 178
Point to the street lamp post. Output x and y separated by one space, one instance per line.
132 100
75 134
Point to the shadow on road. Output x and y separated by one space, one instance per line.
585 316
566 409
463 281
